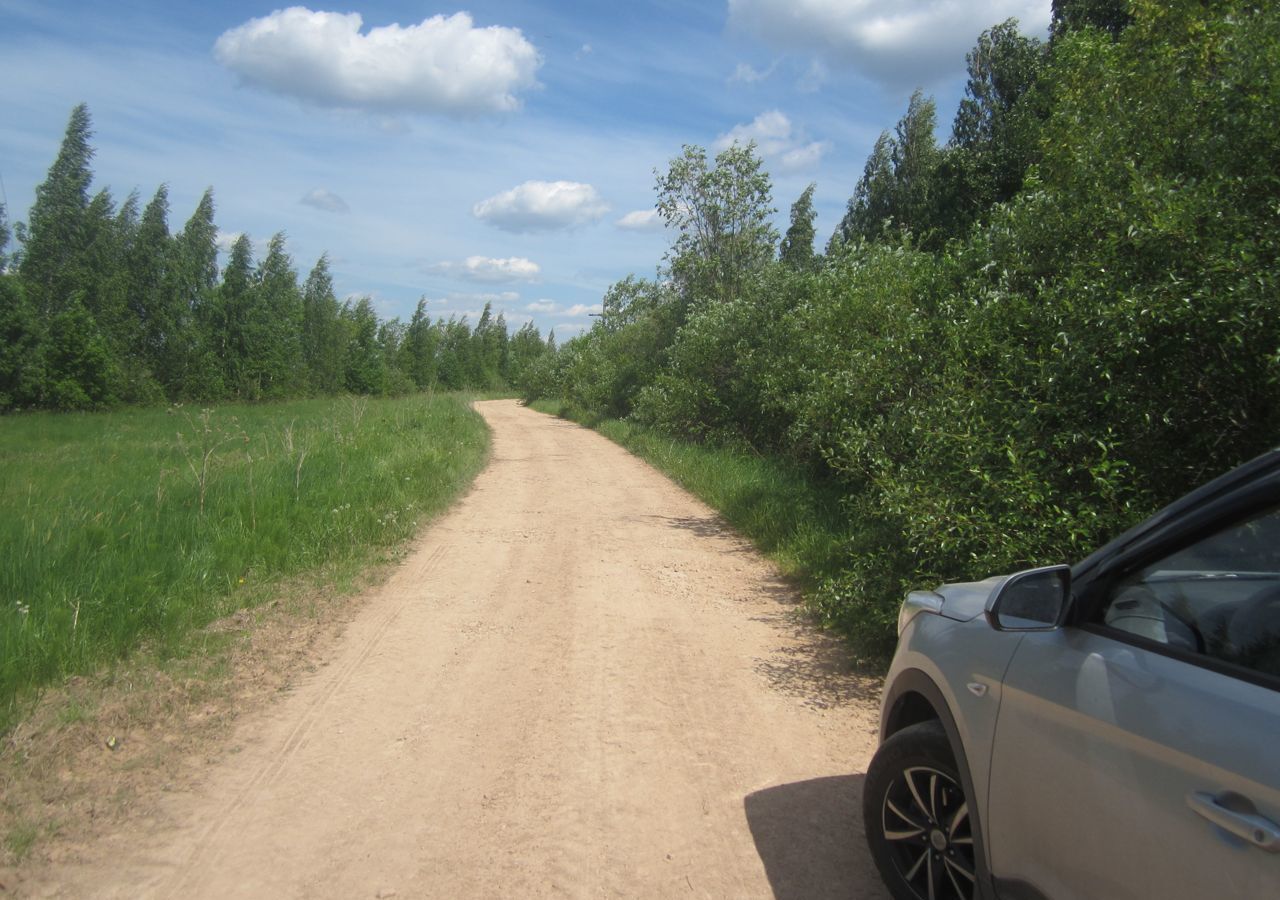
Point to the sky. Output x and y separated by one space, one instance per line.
499 151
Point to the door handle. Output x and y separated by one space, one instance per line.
1257 830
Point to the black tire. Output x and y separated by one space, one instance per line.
917 818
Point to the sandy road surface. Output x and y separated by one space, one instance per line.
577 685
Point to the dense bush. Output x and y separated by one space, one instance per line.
1088 349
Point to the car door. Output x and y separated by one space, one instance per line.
1136 755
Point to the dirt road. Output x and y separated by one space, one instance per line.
578 684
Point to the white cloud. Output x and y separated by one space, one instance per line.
641 220
226 239
578 309
746 74
814 77
504 297
805 156
897 42
542 206
566 330
487 269
770 130
443 64
325 200
777 139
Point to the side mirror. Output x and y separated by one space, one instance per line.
1034 600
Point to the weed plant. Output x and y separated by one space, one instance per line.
139 526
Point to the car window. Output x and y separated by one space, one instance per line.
1219 597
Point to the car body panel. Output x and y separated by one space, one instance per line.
964 601
965 664
1098 746
1110 756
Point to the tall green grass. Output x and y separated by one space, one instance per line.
138 526
798 522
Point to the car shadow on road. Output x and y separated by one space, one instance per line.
810 838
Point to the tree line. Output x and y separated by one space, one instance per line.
1015 343
101 305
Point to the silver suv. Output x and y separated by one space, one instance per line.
1102 731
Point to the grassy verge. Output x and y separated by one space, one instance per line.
131 528
800 525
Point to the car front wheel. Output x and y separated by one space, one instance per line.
918 818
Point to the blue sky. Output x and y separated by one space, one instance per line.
500 150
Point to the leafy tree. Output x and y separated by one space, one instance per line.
525 349
391 336
273 328
22 373
915 158
898 184
55 238
874 202
627 347
455 363
150 300
324 338
191 366
722 218
796 251
418 351
110 233
4 240
79 367
366 367
995 135
489 342
229 319
1111 16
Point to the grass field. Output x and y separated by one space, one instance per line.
118 529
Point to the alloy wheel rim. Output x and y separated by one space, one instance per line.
925 821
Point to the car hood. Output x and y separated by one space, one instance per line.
967 600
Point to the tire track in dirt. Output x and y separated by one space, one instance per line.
578 684
201 859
